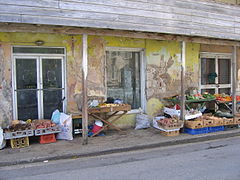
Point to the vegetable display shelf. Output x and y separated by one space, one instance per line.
49 130
18 134
201 102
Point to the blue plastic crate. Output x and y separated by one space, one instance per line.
215 129
196 131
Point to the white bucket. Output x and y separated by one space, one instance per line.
99 123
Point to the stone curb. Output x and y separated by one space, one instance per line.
124 149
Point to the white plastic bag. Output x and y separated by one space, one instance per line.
56 116
66 127
2 140
142 121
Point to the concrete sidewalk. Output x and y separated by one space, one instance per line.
111 143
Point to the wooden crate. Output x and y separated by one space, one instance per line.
170 133
236 120
196 124
19 142
176 125
218 122
208 123
228 121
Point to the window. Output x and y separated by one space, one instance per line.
124 76
215 73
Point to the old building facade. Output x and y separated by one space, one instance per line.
134 53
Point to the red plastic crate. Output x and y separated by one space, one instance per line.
49 138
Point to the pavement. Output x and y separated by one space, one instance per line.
112 142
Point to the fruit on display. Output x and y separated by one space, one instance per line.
42 123
207 95
194 96
18 125
224 97
192 112
170 123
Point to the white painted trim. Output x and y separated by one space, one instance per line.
40 88
214 55
143 79
64 84
14 95
123 49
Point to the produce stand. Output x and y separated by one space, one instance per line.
49 130
201 102
96 113
19 132
168 126
226 104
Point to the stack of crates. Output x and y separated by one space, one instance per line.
203 126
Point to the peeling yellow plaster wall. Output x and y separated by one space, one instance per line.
163 67
164 71
192 64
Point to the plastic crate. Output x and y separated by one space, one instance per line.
18 134
196 131
49 138
215 129
230 127
45 131
19 142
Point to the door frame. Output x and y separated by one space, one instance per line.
38 57
215 56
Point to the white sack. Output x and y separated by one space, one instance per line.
66 127
142 121
2 140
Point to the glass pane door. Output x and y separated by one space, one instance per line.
224 76
208 72
224 68
26 88
52 85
